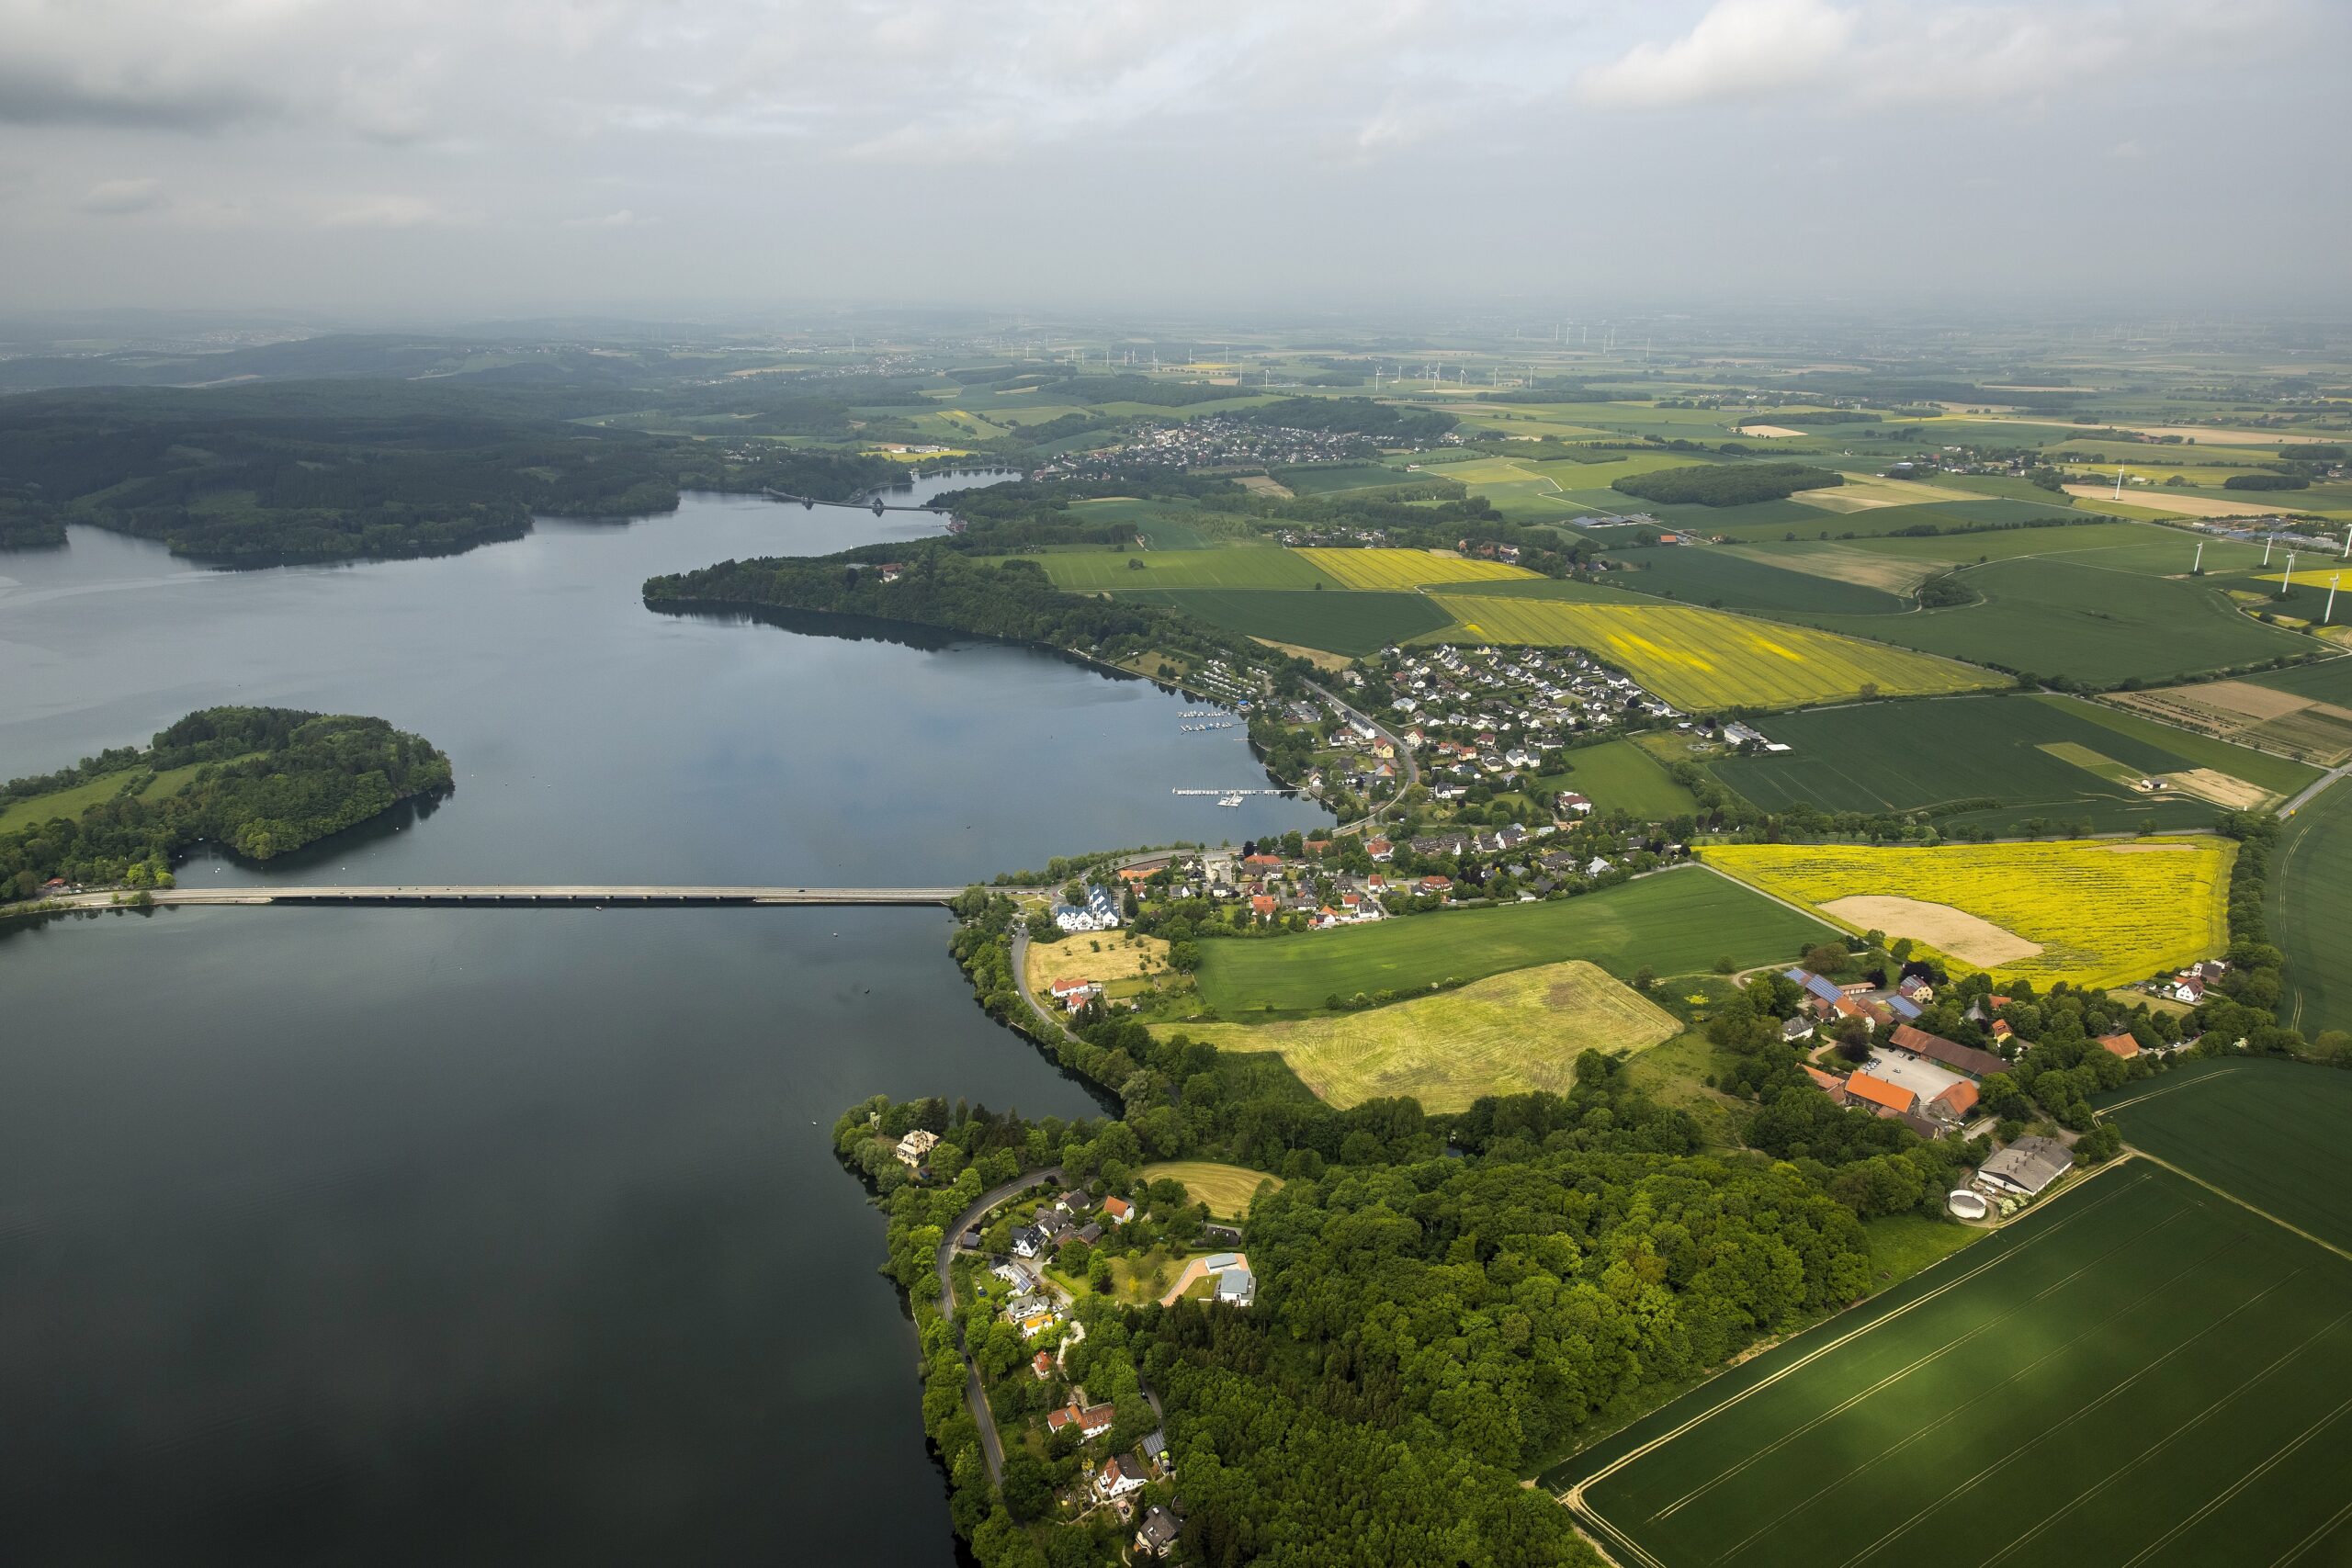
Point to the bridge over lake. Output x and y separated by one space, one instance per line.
525 895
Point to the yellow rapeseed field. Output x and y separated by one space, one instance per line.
2098 912
1703 659
1407 568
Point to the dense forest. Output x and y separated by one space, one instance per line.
262 781
1352 416
295 471
1727 484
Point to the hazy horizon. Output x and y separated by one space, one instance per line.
522 158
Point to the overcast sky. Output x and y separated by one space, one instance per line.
529 155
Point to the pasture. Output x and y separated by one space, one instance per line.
1677 922
1401 569
2137 1373
1899 757
1510 1034
1351 625
1705 659
2093 912
1226 1191
2059 617
76 799
1249 566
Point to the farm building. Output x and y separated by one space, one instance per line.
2122 1046
2027 1167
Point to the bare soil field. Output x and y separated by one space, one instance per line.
2156 500
1969 938
2221 789
2261 715
1771 432
1264 484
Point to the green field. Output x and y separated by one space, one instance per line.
1618 776
2270 1134
1327 478
1678 922
2139 1373
2058 617
71 802
1350 624
1265 566
1894 757
2309 898
1699 574
2329 682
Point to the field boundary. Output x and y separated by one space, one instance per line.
2225 1194
1575 1500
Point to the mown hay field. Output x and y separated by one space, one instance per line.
2102 913
1507 1034
1704 659
1225 1189
2027 1401
1403 569
1677 922
1246 566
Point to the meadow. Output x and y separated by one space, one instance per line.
1618 776
76 799
1351 624
1510 1034
1403 568
2032 1399
1705 659
2095 912
1896 757
1677 922
2059 617
1261 566
1225 1189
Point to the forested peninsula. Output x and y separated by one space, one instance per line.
262 781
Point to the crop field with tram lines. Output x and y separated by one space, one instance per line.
2142 1372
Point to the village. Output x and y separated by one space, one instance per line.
1029 1274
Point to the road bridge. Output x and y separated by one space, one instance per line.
523 895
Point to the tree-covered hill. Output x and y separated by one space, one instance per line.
262 781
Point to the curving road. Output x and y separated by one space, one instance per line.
975 1398
1404 760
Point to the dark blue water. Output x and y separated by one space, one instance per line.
397 1236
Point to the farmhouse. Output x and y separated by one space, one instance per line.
1950 1052
2027 1167
2122 1046
1878 1095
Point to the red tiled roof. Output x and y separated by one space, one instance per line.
1878 1091
2122 1045
1960 1098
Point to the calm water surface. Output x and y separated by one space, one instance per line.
388 1235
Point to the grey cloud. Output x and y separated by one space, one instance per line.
119 198
29 95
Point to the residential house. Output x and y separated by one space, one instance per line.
1090 1423
2122 1046
1042 1364
1158 1532
1568 803
1796 1029
1028 1241
915 1148
1118 1211
1120 1477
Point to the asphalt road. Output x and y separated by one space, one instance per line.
975 1398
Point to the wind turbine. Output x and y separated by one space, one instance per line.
2198 569
2328 619
2119 481
2287 583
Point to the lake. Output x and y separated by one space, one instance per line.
474 1236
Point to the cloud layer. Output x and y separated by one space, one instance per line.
1133 151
